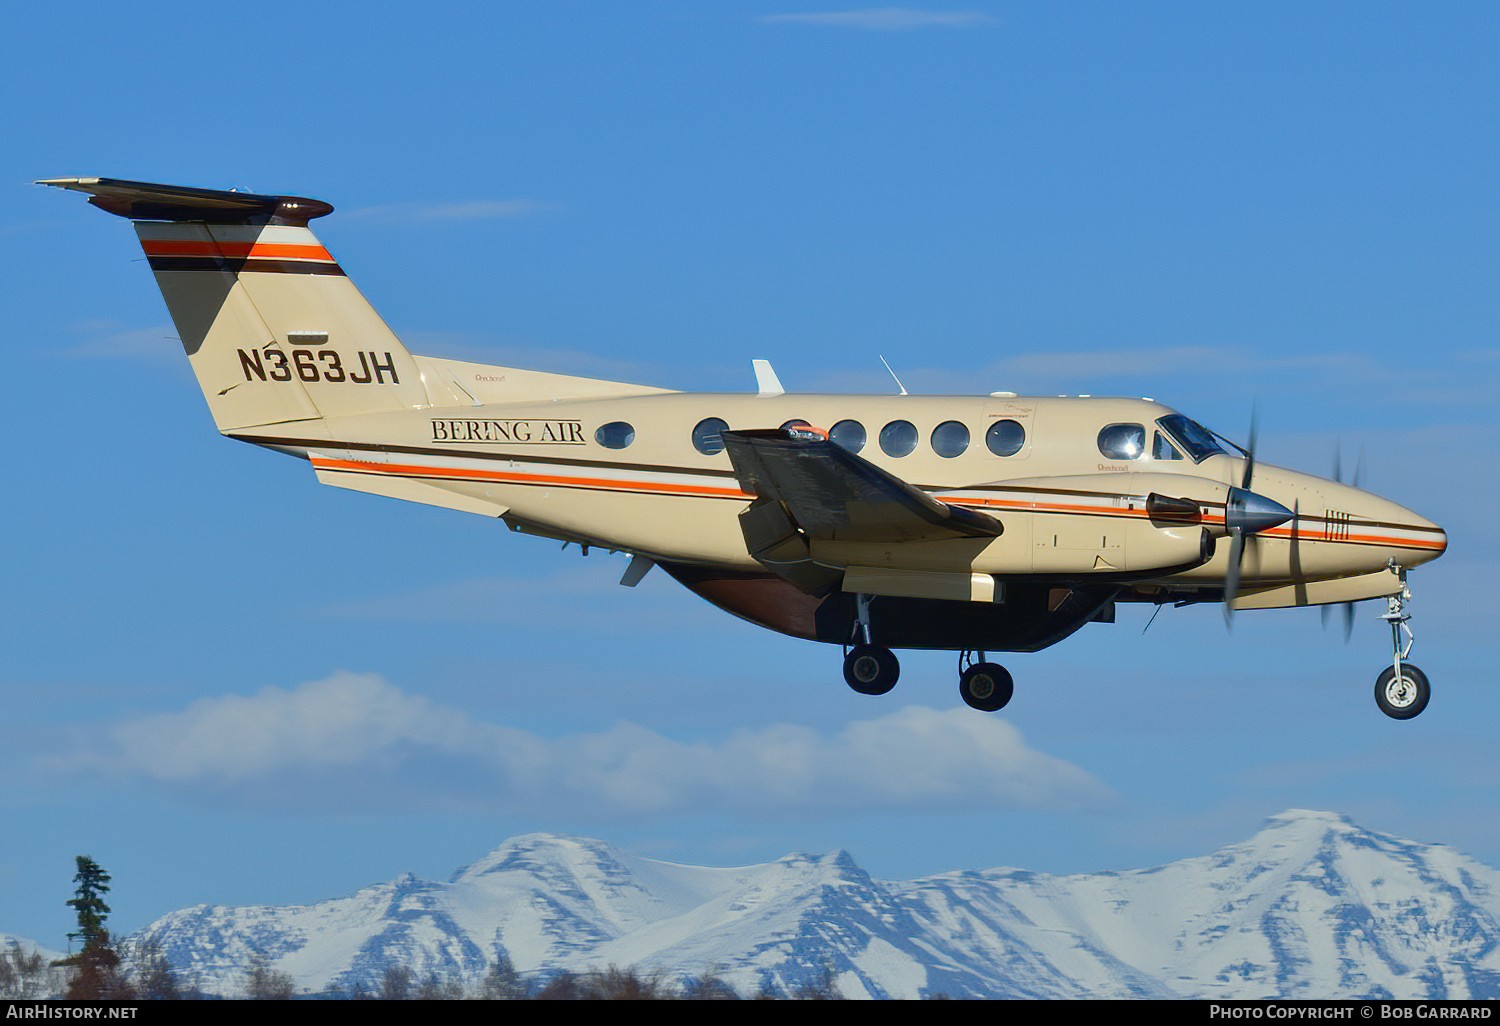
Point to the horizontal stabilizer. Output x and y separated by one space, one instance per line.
375 483
148 201
834 495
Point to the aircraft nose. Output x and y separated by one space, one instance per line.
1416 539
1432 539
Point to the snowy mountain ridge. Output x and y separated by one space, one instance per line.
1311 906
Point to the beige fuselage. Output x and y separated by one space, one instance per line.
1068 510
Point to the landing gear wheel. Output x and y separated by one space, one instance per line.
986 686
1402 697
871 670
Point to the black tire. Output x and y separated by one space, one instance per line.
986 686
871 670
1403 699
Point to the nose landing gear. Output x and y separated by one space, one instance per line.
1401 689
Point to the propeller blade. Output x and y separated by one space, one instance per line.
1338 466
1232 577
1326 611
1250 451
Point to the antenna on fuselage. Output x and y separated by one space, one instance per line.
766 381
893 375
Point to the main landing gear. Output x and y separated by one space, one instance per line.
873 669
984 686
1401 690
869 669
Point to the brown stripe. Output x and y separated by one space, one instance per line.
417 450
234 266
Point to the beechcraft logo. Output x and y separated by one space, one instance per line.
523 432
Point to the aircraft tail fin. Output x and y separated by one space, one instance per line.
274 329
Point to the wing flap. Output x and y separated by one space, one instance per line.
834 495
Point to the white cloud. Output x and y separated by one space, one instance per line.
354 741
1158 362
473 210
110 340
884 19
346 719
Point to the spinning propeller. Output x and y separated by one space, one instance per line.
1338 475
1246 514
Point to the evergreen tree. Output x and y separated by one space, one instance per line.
88 901
96 972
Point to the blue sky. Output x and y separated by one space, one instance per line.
229 684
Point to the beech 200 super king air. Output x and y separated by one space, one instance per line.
995 523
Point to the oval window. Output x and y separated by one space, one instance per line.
898 438
1123 441
706 436
848 433
1005 437
615 435
950 438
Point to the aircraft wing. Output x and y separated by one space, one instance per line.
834 495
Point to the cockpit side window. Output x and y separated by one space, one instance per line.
1161 449
1192 436
1123 441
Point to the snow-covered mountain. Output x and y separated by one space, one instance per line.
1312 906
26 970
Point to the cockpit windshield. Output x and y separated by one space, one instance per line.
1199 442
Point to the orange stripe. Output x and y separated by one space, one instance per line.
237 250
1361 539
1059 507
405 470
414 470
1282 532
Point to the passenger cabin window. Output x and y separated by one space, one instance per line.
706 436
1005 438
1123 441
898 438
1161 449
950 438
848 433
615 435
